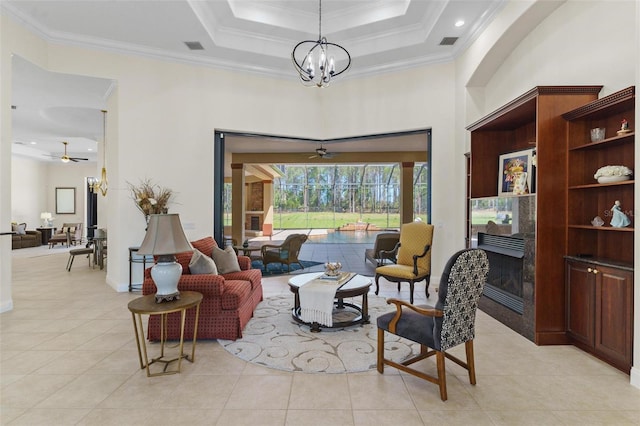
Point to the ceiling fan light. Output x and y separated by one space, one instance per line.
64 158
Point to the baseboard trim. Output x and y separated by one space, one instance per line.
551 338
635 377
6 306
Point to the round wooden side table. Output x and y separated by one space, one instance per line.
146 305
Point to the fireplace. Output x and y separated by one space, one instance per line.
506 265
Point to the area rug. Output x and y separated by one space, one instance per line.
273 339
274 269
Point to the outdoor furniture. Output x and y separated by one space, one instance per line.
449 324
413 258
285 253
383 248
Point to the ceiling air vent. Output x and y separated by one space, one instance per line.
194 45
448 41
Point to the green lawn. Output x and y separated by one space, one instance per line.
328 220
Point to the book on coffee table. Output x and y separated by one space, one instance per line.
340 278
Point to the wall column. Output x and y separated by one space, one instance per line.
406 193
267 207
237 202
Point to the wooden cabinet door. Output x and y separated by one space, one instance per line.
614 315
580 302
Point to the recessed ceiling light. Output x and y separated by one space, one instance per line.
90 149
459 23
33 143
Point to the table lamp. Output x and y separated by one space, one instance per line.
46 219
164 238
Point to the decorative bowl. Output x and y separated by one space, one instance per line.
612 179
332 268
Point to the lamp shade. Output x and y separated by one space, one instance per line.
164 236
45 215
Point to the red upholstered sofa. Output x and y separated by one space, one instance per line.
228 303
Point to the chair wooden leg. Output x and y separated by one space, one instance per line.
411 286
377 287
380 350
442 377
471 365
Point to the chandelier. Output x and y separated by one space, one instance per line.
102 184
314 60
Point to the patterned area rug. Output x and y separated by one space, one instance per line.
273 269
273 339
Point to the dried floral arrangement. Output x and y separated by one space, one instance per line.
150 198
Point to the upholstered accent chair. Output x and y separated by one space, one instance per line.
383 248
413 254
70 233
285 253
450 323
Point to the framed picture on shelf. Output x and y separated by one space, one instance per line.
516 173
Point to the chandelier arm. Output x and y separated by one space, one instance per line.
348 58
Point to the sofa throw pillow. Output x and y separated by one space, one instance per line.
226 260
202 264
205 245
21 229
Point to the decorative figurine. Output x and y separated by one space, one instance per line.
245 244
618 218
624 127
597 221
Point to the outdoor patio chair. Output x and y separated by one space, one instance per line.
383 248
285 253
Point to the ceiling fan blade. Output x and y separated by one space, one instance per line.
78 158
313 156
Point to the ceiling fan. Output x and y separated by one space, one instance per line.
65 158
322 153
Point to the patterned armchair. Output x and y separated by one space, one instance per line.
70 233
449 324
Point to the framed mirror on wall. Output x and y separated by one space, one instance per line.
65 201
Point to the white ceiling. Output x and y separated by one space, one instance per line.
242 35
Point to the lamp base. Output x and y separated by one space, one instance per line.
166 274
167 297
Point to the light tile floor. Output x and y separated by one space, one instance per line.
68 356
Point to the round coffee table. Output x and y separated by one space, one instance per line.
356 286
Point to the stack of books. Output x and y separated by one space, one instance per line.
340 278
